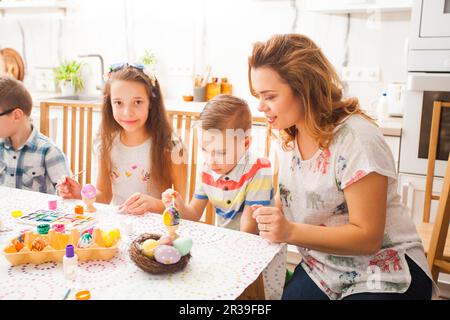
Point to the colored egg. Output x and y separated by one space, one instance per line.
115 234
149 246
85 240
17 244
166 239
183 245
38 244
111 237
171 216
88 191
167 255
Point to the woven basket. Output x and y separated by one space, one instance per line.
150 265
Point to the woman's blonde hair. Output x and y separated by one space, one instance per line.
157 126
313 80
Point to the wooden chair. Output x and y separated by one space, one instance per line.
183 124
438 254
80 133
435 236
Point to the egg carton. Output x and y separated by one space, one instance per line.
56 249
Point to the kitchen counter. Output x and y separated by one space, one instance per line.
390 127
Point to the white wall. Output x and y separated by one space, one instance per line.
199 32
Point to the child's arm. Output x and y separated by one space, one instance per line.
104 189
192 211
248 223
140 203
56 166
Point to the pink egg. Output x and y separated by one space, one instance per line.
166 239
88 191
167 255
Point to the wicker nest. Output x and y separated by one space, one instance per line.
150 265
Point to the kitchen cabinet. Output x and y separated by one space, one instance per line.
356 6
34 6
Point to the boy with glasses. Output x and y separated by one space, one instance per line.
28 159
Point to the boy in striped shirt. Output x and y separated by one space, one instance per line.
232 178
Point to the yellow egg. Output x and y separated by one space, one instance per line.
149 246
110 238
115 234
167 218
107 240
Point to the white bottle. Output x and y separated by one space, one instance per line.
70 263
383 107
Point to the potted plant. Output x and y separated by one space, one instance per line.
68 74
149 60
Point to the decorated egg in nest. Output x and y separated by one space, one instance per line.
183 245
149 246
166 239
171 216
167 255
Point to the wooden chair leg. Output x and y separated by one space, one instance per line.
255 291
440 228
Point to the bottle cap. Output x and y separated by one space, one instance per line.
70 251
43 228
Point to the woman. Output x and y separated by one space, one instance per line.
337 195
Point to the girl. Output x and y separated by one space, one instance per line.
137 145
337 186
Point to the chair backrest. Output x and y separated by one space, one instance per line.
77 137
432 150
183 124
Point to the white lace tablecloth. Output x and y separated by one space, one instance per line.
223 263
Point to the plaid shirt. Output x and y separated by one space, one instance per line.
36 166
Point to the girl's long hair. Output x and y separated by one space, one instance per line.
157 126
312 78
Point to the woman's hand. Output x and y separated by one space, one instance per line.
167 198
138 203
272 224
68 188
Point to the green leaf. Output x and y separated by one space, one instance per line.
70 71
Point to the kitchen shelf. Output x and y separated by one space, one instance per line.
34 6
356 6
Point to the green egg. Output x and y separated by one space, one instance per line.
183 245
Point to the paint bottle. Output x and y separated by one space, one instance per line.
225 86
70 263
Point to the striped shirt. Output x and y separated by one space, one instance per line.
249 183
36 166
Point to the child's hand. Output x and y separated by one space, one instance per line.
272 224
166 198
68 188
138 203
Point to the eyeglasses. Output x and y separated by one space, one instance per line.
7 112
118 66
